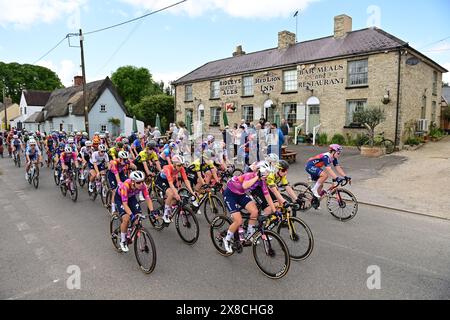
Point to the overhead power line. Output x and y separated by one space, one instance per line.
435 42
49 51
135 19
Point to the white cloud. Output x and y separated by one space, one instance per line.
24 13
65 70
234 8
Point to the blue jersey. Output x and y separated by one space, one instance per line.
322 160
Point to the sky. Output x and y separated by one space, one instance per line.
173 42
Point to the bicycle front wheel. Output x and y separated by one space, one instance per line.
36 182
187 225
218 231
271 255
305 194
145 251
298 238
114 231
73 191
342 204
389 145
213 207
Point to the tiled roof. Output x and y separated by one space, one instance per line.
355 42
32 118
36 97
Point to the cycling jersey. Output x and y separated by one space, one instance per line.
65 157
274 180
86 153
322 160
170 174
125 191
197 166
113 152
17 143
145 156
235 185
97 158
116 167
137 144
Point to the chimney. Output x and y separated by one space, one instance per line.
238 52
77 81
342 26
285 39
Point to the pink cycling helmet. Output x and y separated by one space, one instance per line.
335 147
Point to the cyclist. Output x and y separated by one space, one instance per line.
147 156
16 144
118 172
136 146
235 196
200 171
66 158
128 205
319 168
86 153
32 153
97 164
96 141
279 179
49 147
167 181
169 150
113 152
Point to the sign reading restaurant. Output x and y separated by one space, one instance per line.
321 76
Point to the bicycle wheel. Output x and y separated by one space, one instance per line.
389 145
73 190
63 188
103 194
108 200
304 193
298 238
36 181
157 222
93 194
271 255
114 231
187 225
56 178
213 207
218 231
81 179
342 204
145 251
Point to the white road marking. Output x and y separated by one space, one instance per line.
42 253
23 226
31 238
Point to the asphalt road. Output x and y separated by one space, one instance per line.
43 234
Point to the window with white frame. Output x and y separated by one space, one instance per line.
290 80
247 113
352 107
188 92
103 128
70 108
70 127
435 80
290 112
247 86
433 111
51 126
215 116
215 89
423 112
358 72
102 108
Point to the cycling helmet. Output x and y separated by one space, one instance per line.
70 140
85 134
124 155
68 149
210 138
151 144
264 168
88 143
283 165
273 157
96 133
62 145
125 141
172 145
176 159
102 136
15 136
102 147
137 176
32 142
335 147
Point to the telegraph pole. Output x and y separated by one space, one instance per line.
86 113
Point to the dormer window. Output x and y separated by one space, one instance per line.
70 108
103 108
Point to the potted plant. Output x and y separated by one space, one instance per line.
370 117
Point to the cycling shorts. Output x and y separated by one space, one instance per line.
101 166
112 179
235 202
133 203
314 172
162 183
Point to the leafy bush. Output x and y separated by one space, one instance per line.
412 141
361 139
322 139
371 117
338 139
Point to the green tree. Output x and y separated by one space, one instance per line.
150 106
17 77
133 84
370 117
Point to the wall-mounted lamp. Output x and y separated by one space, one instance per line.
386 98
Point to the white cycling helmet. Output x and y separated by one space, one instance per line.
32 142
85 134
102 147
176 159
210 138
15 136
124 155
88 143
102 136
264 168
68 149
137 176
70 140
273 157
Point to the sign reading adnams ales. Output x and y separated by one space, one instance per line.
321 75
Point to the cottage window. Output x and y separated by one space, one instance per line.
70 127
423 112
103 108
352 107
433 111
290 112
435 79
358 73
290 80
103 128
247 113
215 89
215 116
247 87
188 92
70 108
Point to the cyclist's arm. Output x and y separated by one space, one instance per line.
200 177
147 170
277 194
340 171
291 192
331 172
249 182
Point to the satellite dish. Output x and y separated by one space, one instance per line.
412 61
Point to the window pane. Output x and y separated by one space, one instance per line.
247 113
215 89
354 106
248 86
290 80
290 113
358 72
188 93
215 116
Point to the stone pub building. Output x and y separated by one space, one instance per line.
321 81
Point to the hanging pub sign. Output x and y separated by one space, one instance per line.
229 107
